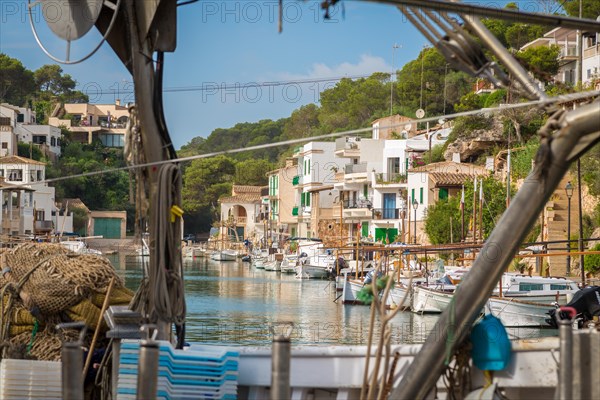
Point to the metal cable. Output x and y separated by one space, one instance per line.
542 102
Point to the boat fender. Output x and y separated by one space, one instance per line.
491 349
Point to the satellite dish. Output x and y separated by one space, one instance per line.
420 113
71 19
407 127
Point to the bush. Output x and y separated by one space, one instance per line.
592 261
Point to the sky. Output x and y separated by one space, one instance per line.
224 49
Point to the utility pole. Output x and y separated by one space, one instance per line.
394 47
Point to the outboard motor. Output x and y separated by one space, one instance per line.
586 303
369 276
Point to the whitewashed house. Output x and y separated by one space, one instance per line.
240 212
37 208
317 168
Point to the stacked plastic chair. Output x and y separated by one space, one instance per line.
30 379
203 372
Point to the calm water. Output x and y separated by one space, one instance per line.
233 303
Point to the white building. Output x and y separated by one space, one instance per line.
566 39
46 137
8 123
37 208
18 124
317 168
240 212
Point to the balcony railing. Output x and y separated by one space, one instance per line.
569 51
361 203
391 178
388 213
355 168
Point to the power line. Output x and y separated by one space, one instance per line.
554 100
215 86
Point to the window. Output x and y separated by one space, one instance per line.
443 194
112 140
40 176
32 176
15 175
366 191
5 121
40 215
20 117
556 286
589 73
53 141
5 145
528 287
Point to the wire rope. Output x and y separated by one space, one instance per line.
553 100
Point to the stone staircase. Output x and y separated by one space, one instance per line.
556 220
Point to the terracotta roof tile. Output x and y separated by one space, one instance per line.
450 167
19 160
451 179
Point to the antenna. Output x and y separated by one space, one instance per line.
70 20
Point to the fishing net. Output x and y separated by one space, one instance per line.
46 285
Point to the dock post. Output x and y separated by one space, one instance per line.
148 364
565 371
280 368
72 363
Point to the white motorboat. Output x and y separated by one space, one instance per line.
224 255
288 264
515 312
79 247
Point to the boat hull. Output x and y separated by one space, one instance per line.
517 313
427 300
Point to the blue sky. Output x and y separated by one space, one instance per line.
233 44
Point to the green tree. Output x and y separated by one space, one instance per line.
592 261
437 222
53 85
29 150
541 61
591 8
205 180
423 82
252 172
303 122
16 82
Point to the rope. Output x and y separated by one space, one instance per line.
166 297
36 326
457 376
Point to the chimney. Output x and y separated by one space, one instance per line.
118 102
456 157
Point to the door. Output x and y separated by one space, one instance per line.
389 205
108 228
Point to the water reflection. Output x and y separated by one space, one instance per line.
232 303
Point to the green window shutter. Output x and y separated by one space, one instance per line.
412 196
421 196
365 229
302 200
366 191
308 199
443 194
